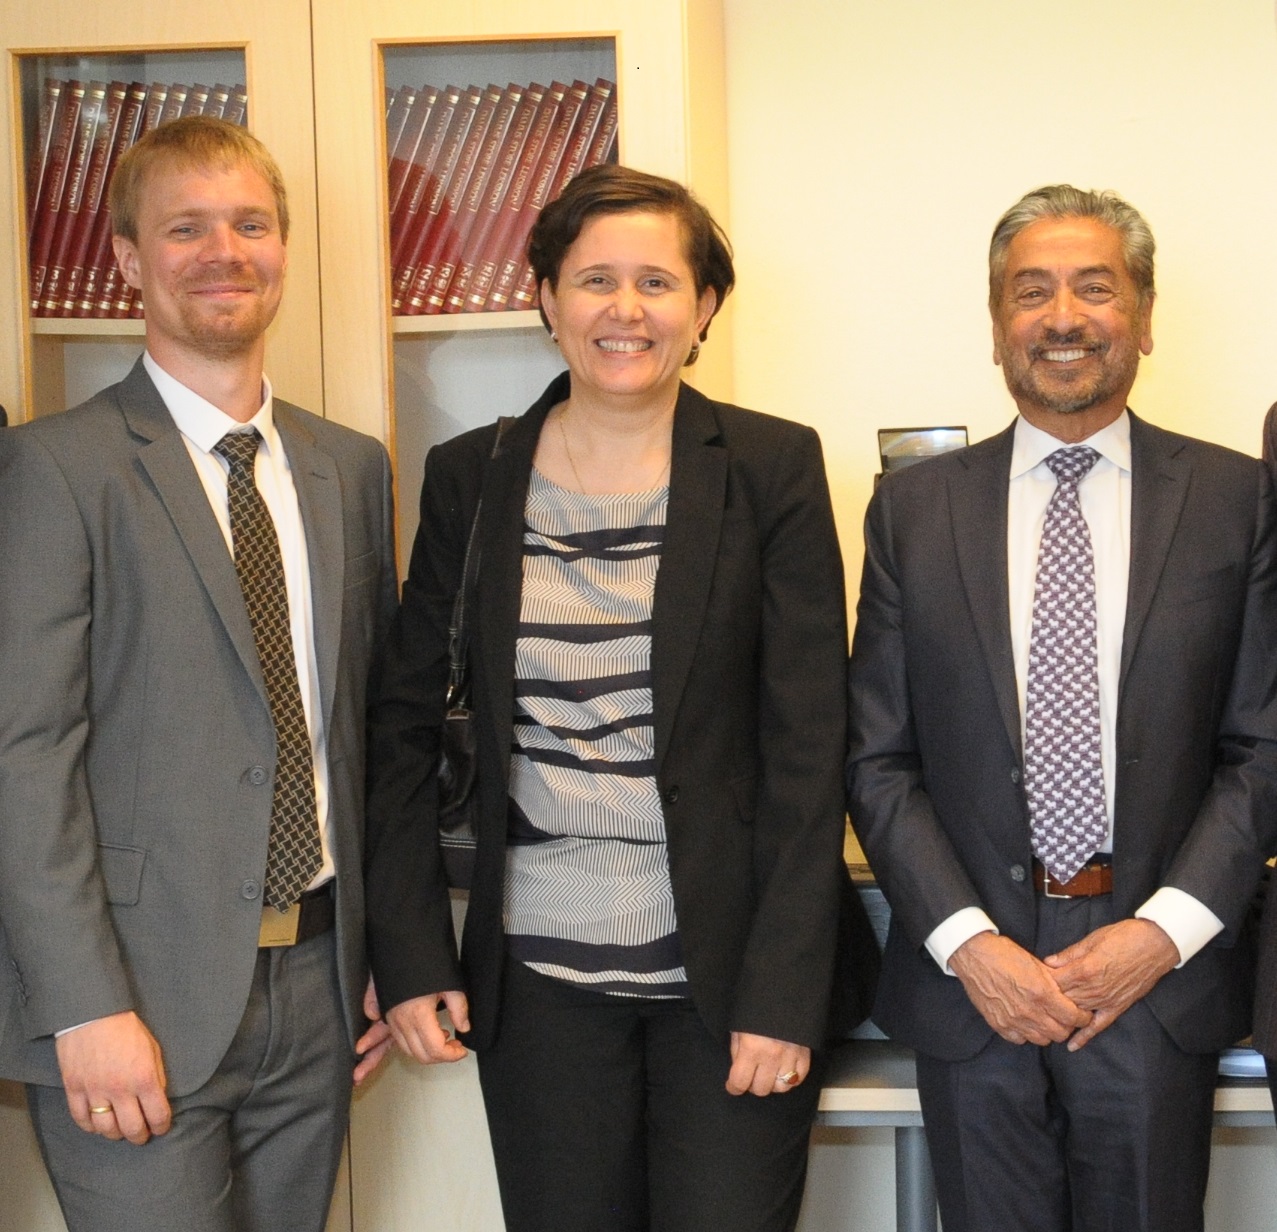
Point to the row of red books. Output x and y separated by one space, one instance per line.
83 128
469 171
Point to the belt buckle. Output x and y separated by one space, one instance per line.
1047 879
279 927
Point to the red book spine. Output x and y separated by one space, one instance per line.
99 257
237 108
603 147
218 98
443 233
399 156
38 160
196 100
91 204
422 180
51 194
543 178
406 172
494 197
472 202
175 104
396 117
92 112
116 295
587 124
439 181
494 251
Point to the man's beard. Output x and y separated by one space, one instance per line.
1113 373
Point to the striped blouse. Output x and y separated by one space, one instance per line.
587 894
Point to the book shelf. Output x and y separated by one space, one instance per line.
77 113
415 380
46 361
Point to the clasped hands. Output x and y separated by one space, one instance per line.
1070 996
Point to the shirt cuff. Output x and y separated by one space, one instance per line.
956 931
1189 923
68 1030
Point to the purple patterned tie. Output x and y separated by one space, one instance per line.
294 854
1063 776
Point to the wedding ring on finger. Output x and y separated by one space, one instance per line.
101 1111
788 1079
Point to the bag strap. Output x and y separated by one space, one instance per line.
458 643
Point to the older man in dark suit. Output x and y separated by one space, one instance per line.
194 576
1063 759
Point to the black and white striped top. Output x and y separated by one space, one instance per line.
587 893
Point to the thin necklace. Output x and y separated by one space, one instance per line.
576 474
567 449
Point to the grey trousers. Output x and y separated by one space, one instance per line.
254 1149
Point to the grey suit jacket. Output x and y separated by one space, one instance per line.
934 770
136 745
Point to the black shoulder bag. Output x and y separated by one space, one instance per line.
458 752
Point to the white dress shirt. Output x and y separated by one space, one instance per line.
1105 495
202 425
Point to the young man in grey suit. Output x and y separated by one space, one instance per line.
194 577
1063 762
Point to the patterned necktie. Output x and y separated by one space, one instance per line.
294 855
1063 779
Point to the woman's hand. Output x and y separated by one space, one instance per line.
418 1032
765 1066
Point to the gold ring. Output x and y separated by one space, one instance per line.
100 1111
788 1078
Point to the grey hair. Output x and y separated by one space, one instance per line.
1065 201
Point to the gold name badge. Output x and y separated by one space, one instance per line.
279 927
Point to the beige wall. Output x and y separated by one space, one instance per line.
872 147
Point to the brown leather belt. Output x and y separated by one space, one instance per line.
1095 877
312 916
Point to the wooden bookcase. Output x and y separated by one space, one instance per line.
316 71
416 380
44 364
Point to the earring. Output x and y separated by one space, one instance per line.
554 337
693 354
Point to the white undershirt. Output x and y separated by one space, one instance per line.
1105 496
202 425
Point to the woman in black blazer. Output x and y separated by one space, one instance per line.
658 650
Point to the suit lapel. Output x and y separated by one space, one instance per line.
1159 486
978 506
698 491
318 489
169 466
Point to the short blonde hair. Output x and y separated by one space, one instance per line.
191 142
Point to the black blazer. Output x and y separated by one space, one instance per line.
1266 979
748 651
935 754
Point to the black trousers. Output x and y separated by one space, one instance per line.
609 1114
1112 1138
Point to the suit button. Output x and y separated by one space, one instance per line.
250 889
1017 872
1015 775
671 795
257 775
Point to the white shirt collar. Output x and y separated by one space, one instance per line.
1032 445
200 421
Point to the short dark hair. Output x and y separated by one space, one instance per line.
1064 201
612 189
191 142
